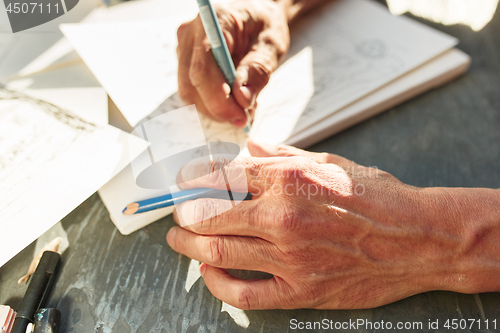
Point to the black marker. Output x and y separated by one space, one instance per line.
38 291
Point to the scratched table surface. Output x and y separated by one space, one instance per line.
447 137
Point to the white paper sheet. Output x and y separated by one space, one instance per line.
138 72
51 160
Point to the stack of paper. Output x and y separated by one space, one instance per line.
347 62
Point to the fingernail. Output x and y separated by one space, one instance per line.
171 235
227 89
249 95
203 268
239 122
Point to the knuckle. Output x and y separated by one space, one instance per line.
229 25
197 71
297 168
225 15
282 150
338 160
382 174
289 257
215 178
212 211
199 212
326 158
216 252
280 45
198 67
220 161
289 219
184 93
182 30
260 72
298 257
310 295
246 299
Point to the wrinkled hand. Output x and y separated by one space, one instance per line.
257 35
335 235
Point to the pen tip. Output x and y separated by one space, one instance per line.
131 208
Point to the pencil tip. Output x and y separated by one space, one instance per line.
131 208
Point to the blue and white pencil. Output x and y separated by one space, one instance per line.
171 199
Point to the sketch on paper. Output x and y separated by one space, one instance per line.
34 137
336 58
51 160
346 67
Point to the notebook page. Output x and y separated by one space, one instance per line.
339 55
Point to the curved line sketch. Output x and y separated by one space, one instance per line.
372 49
64 116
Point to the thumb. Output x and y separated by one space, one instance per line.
253 73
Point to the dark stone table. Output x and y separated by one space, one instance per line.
447 137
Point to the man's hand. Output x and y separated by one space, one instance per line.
334 234
257 35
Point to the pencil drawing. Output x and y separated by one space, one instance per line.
64 116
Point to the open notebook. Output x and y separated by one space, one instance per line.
347 62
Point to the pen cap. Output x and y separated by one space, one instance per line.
39 288
47 321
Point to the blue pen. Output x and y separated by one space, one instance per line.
171 199
219 46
